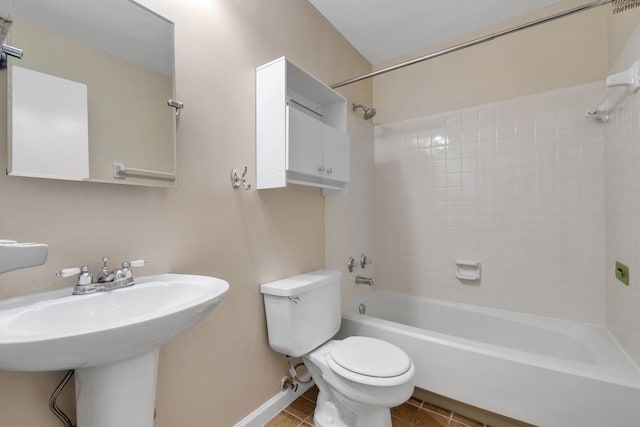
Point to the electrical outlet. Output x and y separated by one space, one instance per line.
622 273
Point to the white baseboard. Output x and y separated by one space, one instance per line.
272 407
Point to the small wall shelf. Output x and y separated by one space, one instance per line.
301 129
468 270
619 86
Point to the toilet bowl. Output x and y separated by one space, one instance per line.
357 385
359 378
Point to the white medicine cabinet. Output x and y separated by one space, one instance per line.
301 129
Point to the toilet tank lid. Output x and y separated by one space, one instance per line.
299 284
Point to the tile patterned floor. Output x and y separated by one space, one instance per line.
413 413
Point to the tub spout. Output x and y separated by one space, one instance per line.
361 280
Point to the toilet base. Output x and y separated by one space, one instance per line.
327 414
343 402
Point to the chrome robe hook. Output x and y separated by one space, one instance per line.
238 180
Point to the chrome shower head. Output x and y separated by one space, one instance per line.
368 112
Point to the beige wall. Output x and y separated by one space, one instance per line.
562 53
223 369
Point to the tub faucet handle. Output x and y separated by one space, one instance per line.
364 261
351 264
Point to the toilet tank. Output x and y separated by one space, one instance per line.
302 311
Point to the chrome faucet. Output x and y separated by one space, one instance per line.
123 275
106 276
85 284
108 280
361 280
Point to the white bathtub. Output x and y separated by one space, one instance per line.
544 371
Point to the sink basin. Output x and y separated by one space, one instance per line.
77 331
110 338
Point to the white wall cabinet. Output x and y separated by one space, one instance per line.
301 133
336 154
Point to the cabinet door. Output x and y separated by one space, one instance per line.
336 154
304 143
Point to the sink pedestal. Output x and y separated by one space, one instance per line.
119 394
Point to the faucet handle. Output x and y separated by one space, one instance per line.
84 276
351 264
66 272
364 261
124 275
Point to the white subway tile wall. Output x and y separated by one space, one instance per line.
518 185
622 153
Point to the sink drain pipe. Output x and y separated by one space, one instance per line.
54 396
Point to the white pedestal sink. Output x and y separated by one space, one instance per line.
110 338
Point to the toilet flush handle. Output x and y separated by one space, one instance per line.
294 299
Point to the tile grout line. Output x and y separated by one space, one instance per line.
309 419
419 406
450 418
306 398
413 420
294 416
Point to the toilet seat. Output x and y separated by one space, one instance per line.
370 361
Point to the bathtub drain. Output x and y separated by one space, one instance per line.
362 309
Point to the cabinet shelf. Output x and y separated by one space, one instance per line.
301 129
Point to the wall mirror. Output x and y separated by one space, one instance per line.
88 100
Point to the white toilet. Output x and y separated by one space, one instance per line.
359 378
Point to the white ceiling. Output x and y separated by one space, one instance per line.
385 29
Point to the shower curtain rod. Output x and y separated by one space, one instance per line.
472 43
